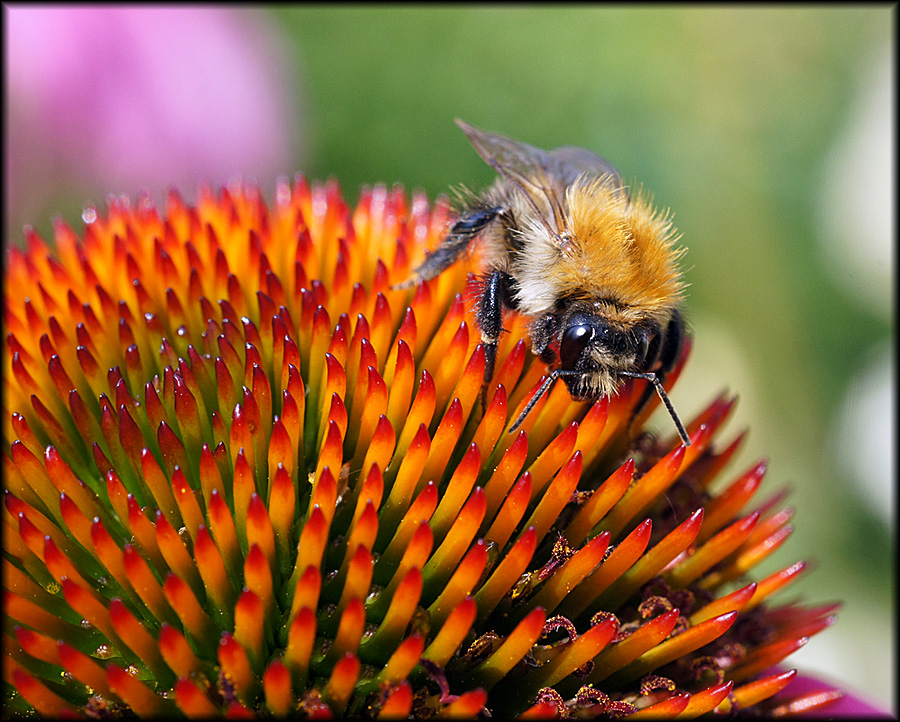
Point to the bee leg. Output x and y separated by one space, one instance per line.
669 351
672 343
452 247
542 331
489 316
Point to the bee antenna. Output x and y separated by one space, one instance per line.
555 374
533 400
652 377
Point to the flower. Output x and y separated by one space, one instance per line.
248 475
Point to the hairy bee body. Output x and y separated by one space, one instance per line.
593 267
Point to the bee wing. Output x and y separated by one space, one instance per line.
569 162
539 174
529 167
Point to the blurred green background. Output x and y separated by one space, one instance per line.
749 123
730 117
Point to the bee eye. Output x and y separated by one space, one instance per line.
574 341
643 349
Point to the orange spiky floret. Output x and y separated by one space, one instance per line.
247 474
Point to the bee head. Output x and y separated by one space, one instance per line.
591 346
597 353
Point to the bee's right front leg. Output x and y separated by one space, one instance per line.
496 295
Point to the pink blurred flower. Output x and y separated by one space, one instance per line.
115 99
815 697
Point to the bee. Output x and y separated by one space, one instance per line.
593 266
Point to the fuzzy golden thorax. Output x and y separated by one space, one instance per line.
617 248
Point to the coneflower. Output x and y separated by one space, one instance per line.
245 475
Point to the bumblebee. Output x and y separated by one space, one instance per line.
593 266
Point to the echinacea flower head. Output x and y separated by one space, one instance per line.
245 474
